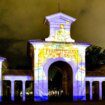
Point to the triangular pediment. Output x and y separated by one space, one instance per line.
60 17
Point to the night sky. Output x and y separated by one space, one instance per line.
22 20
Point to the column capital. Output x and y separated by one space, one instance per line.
100 82
91 82
23 81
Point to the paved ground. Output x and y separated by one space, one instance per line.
55 103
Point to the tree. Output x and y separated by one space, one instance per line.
95 57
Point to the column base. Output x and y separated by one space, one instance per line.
79 98
23 98
12 98
39 98
0 98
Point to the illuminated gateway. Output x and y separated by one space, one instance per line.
58 53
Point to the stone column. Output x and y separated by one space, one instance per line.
12 90
100 90
1 90
0 81
23 91
91 94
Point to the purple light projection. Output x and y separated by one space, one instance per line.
59 46
1 61
14 78
54 49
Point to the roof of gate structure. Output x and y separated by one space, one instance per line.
97 72
60 17
19 72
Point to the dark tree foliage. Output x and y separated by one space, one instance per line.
95 57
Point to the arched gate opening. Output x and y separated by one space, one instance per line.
60 81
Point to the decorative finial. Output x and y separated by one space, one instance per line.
59 6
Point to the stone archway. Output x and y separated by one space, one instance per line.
60 81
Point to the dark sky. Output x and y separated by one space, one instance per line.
22 20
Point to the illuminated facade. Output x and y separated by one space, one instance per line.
58 50
59 46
